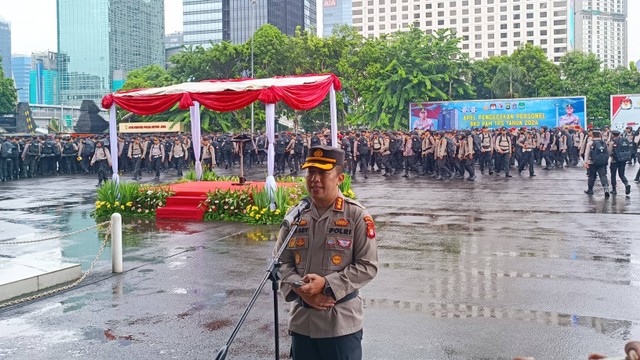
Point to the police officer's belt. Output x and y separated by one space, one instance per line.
344 299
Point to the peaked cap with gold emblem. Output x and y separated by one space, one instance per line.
324 157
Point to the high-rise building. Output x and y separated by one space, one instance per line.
173 44
487 27
213 21
99 41
335 13
498 27
21 65
205 22
43 78
286 15
5 46
601 28
638 65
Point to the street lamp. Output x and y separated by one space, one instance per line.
253 33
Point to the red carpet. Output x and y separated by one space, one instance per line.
185 204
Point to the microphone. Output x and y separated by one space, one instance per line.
294 214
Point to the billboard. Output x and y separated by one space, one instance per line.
149 127
531 112
625 111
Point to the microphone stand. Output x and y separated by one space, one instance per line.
271 274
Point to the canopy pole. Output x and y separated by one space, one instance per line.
113 143
334 117
270 184
194 113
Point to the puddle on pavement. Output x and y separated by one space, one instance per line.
611 327
106 335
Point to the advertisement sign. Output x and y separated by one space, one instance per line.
149 127
330 3
625 111
496 113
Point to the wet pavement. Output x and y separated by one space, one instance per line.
485 270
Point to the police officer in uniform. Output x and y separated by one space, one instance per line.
136 154
280 147
361 154
69 151
528 144
596 161
617 167
30 156
503 152
345 145
486 151
333 254
101 158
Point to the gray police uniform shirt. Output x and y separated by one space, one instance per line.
339 245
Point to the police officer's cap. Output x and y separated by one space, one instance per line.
615 132
324 157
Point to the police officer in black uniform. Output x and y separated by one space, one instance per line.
280 145
362 154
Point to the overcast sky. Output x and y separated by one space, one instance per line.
33 24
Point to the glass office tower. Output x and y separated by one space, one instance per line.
335 13
5 46
100 38
21 67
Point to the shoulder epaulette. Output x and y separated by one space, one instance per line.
354 202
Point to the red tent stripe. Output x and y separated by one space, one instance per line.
302 95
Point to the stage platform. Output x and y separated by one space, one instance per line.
185 203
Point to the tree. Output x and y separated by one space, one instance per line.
579 72
508 81
8 93
482 74
541 77
414 67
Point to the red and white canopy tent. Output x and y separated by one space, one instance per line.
302 92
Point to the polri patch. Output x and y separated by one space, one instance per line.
303 222
299 242
342 222
292 243
336 259
331 242
298 258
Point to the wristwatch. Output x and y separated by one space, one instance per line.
327 289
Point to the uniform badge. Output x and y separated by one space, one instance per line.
371 227
331 242
344 243
299 242
342 222
339 205
318 153
297 258
292 243
336 259
303 222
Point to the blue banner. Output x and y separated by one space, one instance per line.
533 112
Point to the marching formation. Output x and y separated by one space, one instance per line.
442 155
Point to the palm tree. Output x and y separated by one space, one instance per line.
508 81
